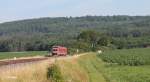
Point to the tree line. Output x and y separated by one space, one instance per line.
86 33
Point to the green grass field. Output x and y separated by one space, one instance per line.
92 66
100 71
8 55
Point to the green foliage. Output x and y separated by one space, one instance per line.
104 41
72 51
92 40
82 46
90 36
54 74
132 57
88 39
38 34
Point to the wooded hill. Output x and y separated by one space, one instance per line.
40 34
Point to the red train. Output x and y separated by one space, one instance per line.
59 51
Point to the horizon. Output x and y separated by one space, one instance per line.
68 17
30 9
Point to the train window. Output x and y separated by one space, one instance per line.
54 49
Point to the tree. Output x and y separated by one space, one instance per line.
89 36
104 41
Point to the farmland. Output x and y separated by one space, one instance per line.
93 67
8 55
132 57
100 71
126 65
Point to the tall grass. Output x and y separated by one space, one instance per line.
29 73
82 69
72 71
89 63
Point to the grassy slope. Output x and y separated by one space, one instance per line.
72 71
92 68
81 69
92 64
7 55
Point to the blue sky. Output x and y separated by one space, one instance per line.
24 9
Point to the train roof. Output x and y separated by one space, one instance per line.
58 46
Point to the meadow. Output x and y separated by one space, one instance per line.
8 55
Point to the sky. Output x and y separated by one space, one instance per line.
11 10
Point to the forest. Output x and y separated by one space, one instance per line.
85 33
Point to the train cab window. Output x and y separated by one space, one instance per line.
54 49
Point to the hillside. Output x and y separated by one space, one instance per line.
66 25
39 34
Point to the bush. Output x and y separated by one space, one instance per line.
54 74
72 51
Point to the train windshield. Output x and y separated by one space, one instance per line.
54 49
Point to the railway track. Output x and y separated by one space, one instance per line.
18 61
